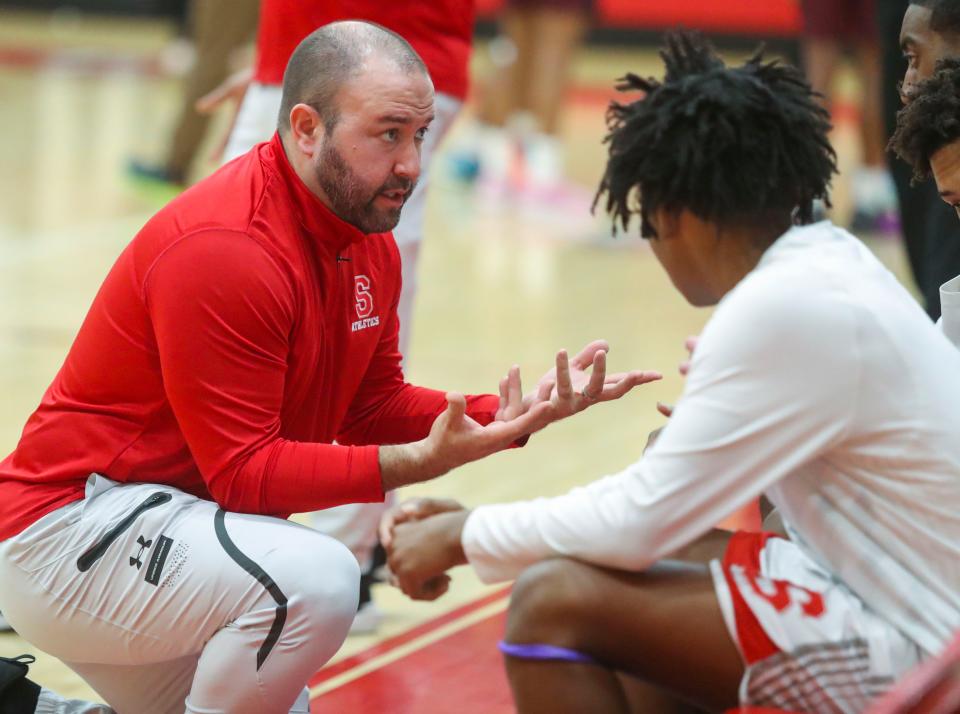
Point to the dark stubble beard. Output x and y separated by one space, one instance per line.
351 199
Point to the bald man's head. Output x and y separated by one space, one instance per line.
329 57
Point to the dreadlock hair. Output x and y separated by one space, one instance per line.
944 15
742 147
931 120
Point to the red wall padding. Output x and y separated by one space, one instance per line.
749 17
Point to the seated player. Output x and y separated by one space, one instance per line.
818 381
248 325
928 138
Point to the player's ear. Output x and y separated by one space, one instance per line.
306 128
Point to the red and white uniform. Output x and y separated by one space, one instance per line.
242 330
819 382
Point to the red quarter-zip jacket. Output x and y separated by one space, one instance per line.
242 330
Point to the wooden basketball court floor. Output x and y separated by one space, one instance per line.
501 283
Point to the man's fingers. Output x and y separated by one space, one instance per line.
514 388
639 377
684 367
584 357
627 381
434 587
456 407
502 434
385 529
597 375
503 396
564 386
545 390
691 343
665 409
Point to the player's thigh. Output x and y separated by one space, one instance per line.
663 625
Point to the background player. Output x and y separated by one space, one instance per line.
788 394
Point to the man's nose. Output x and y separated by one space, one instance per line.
908 86
408 163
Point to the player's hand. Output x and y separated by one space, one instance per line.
456 439
421 551
684 368
414 509
233 88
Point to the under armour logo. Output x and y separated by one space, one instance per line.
144 544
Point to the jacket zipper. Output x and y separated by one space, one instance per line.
97 551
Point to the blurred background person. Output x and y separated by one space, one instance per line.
513 144
220 29
830 28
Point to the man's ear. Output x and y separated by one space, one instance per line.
306 129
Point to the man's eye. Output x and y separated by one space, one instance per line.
391 134
422 133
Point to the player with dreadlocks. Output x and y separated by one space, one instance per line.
817 381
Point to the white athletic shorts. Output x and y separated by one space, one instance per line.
164 603
808 643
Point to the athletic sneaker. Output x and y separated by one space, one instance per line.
18 695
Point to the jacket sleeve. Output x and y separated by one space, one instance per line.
222 312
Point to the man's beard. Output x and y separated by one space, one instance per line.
351 199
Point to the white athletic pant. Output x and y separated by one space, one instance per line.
355 525
164 603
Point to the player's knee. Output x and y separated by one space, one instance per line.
324 588
545 602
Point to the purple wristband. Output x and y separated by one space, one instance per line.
545 652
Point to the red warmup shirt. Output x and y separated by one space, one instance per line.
441 31
243 329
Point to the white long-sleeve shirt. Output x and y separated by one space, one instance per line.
820 382
950 310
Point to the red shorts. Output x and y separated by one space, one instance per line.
808 643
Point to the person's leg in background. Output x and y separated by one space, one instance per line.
559 27
154 596
874 195
220 28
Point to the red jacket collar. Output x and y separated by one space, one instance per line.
316 218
